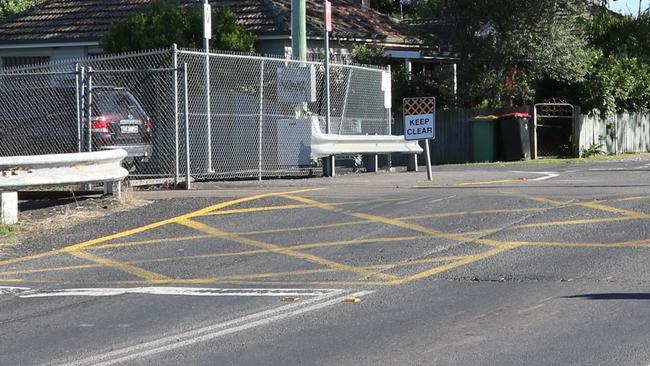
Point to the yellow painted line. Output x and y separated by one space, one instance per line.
219 255
326 226
459 263
619 211
278 249
145 242
466 213
306 228
634 198
628 244
256 209
51 269
136 271
379 219
201 212
573 222
13 280
539 199
487 182
27 258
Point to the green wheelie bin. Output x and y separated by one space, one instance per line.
484 134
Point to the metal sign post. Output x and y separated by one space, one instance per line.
420 124
207 35
330 161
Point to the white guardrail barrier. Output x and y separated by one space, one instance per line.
20 172
331 144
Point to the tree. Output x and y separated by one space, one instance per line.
506 50
619 75
12 7
403 84
162 23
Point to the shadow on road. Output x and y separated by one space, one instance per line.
612 296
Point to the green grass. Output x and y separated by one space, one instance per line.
8 231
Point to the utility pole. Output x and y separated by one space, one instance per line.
299 29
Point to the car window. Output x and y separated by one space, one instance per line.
110 101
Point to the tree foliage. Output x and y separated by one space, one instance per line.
504 50
162 23
403 84
619 76
12 7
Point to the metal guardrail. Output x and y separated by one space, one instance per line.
19 172
330 144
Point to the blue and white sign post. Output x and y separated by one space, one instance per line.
420 124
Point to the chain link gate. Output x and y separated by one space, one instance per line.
134 110
554 126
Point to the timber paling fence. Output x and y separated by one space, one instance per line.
618 134
240 116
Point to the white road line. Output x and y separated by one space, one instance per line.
7 290
185 339
180 291
546 175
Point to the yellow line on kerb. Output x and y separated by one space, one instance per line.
137 230
281 250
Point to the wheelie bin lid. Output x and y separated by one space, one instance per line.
516 115
488 118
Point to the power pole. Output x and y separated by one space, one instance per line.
299 29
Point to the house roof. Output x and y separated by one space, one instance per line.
87 20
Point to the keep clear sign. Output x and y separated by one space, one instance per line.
419 127
420 124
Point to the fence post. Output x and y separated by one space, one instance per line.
329 166
186 115
389 119
260 124
176 148
77 94
89 109
533 152
207 105
412 163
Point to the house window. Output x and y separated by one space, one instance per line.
24 61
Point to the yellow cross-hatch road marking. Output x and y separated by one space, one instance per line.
80 250
281 250
378 219
137 230
136 271
610 209
324 226
461 262
256 209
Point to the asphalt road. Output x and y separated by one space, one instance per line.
531 264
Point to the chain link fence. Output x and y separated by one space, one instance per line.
251 120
